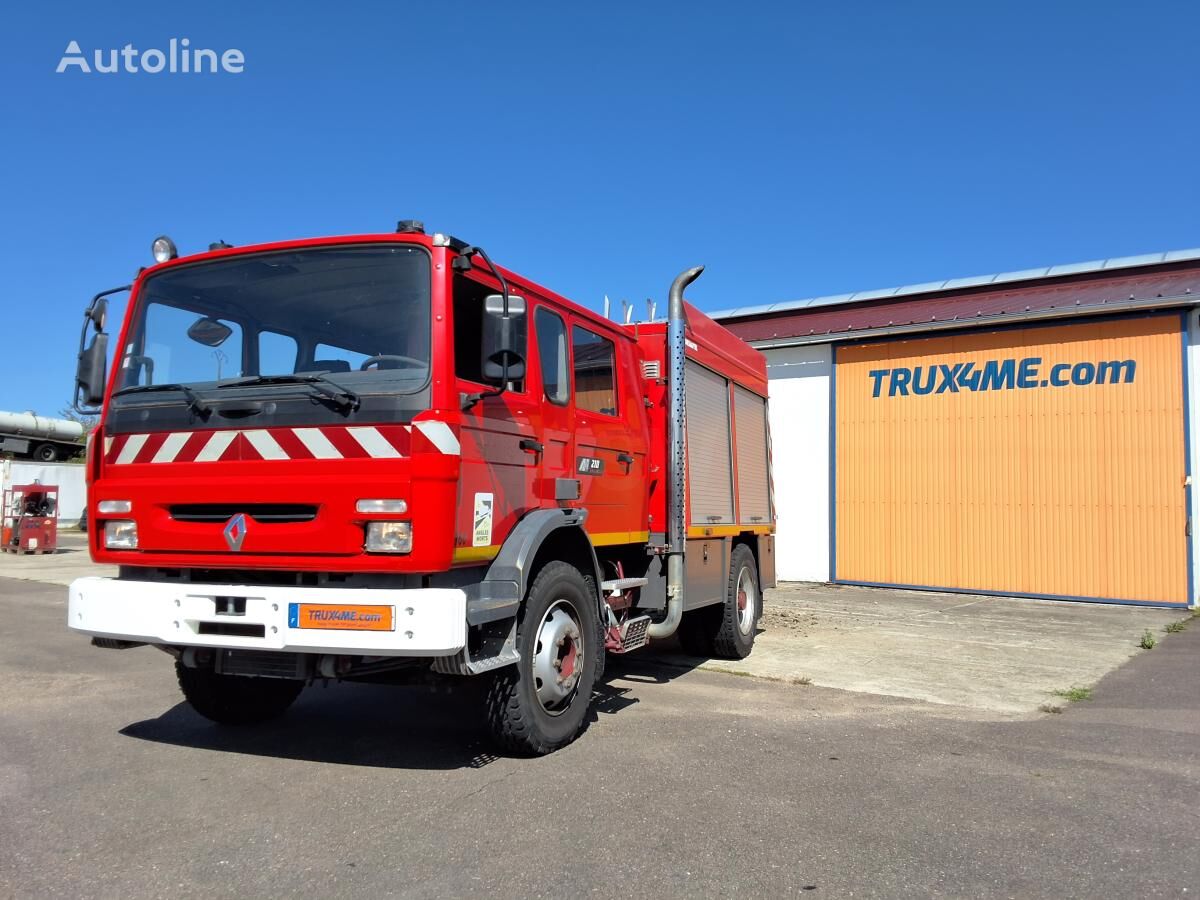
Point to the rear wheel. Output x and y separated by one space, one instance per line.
539 704
727 629
236 699
45 453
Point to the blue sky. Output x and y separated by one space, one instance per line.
796 149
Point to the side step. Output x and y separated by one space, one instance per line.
629 635
633 633
621 585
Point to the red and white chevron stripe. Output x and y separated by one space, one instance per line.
352 442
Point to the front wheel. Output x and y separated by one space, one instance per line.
539 704
236 699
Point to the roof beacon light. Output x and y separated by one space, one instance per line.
410 226
163 249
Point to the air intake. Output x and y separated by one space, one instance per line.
267 513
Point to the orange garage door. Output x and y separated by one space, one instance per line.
1045 460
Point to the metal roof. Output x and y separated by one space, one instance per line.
952 284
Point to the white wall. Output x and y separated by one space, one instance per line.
799 394
71 481
1193 370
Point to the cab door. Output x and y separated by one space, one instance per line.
553 450
610 438
498 475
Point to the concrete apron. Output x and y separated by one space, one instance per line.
1000 654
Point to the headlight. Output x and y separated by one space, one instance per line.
389 537
395 507
114 507
120 535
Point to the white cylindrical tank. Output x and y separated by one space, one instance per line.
30 425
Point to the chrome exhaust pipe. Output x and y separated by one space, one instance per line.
676 454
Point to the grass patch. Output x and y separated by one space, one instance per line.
1148 640
1075 694
1176 627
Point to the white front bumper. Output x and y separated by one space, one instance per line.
426 622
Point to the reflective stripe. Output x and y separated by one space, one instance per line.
316 443
374 443
171 446
130 451
440 435
216 446
267 446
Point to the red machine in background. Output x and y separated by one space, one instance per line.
30 519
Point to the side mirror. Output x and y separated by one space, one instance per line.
98 313
503 339
92 372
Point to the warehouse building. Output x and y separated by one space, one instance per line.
1026 433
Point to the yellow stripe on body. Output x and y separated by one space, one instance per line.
702 531
609 538
475 554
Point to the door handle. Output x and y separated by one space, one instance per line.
625 458
531 446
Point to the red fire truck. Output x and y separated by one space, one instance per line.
384 457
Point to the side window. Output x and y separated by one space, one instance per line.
468 331
276 353
552 354
595 376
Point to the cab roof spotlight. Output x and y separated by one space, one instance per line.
164 249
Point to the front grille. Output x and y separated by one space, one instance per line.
262 663
267 513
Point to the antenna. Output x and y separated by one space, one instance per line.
650 308
628 308
607 307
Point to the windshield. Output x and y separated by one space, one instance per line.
357 314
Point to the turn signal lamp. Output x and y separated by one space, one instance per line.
381 506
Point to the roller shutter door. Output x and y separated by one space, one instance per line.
1047 461
710 473
750 418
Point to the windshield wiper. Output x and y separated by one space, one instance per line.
343 397
195 404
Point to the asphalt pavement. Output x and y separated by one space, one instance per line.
686 783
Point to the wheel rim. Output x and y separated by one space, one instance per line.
559 657
747 601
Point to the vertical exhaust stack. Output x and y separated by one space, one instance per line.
676 454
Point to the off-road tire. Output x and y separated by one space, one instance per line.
516 719
729 642
236 699
713 630
46 453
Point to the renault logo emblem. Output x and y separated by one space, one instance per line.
235 532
